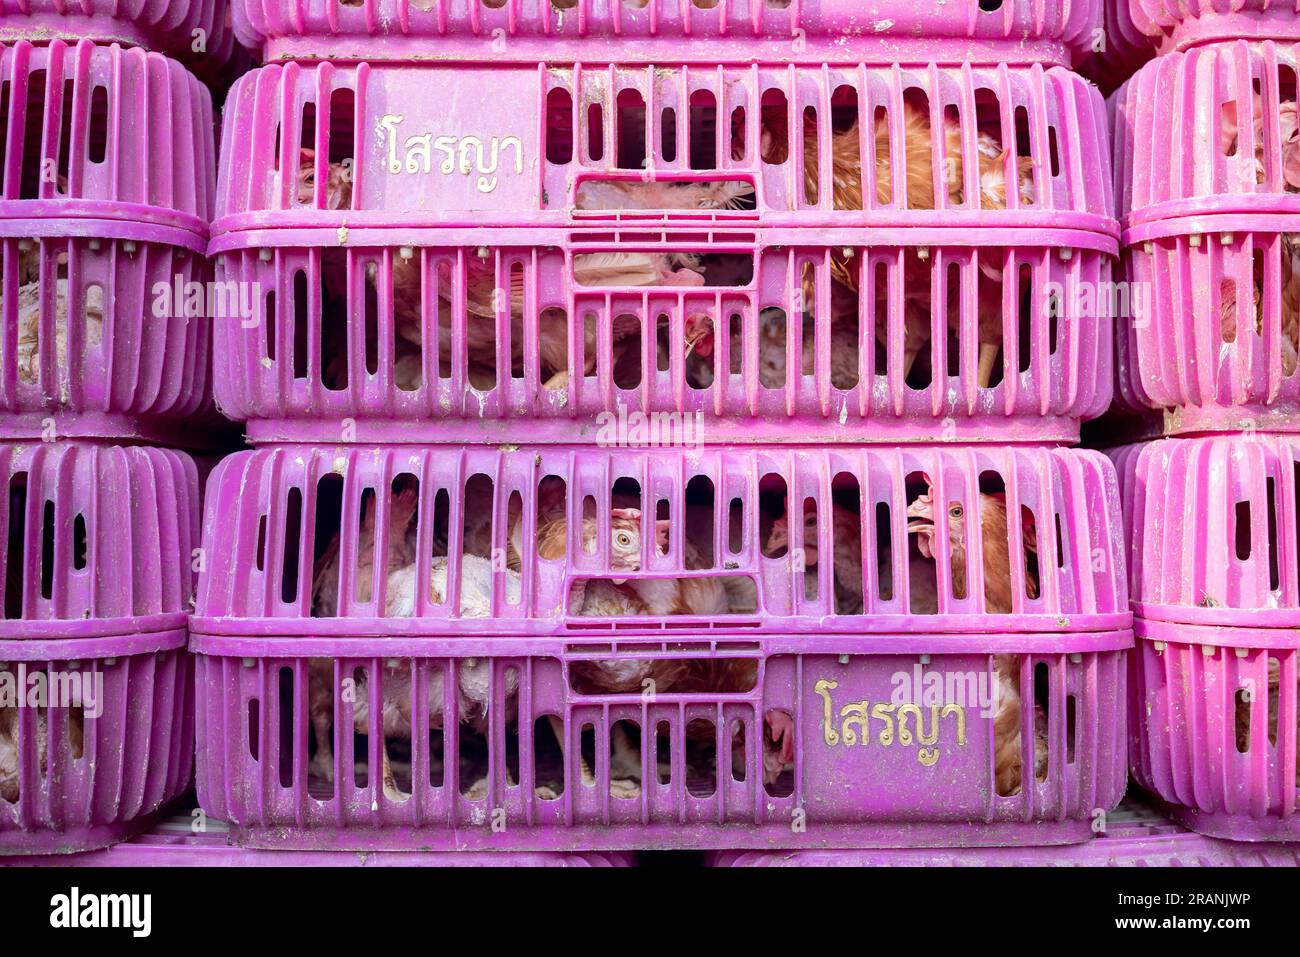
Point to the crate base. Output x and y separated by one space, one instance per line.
707 429
173 842
662 50
1194 420
46 426
1181 849
59 844
666 837
1236 827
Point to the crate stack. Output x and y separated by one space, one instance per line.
1208 187
107 174
623 380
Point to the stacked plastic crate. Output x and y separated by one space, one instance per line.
624 378
106 183
1207 174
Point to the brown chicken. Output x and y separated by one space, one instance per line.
847 188
1274 709
1288 129
482 297
338 182
1290 304
998 600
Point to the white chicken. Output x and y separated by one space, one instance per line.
661 194
400 602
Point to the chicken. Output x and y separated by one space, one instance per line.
603 597
844 323
683 596
482 291
702 347
1288 130
1289 346
847 179
719 676
397 720
711 595
481 299
657 194
325 604
992 171
846 562
997 601
29 326
401 552
846 541
338 182
400 602
11 745
1274 709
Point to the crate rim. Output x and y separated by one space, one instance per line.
344 234
259 637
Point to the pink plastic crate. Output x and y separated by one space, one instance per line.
1135 836
75 142
1217 714
98 581
932 783
1220 345
88 347
290 617
1214 676
1180 24
932 328
98 208
1229 143
171 26
1217 534
325 360
668 30
83 774
99 538
364 145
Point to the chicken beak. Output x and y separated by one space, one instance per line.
697 343
923 530
619 581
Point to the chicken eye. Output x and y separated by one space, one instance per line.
623 539
955 511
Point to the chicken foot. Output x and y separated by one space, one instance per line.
625 759
988 360
322 764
